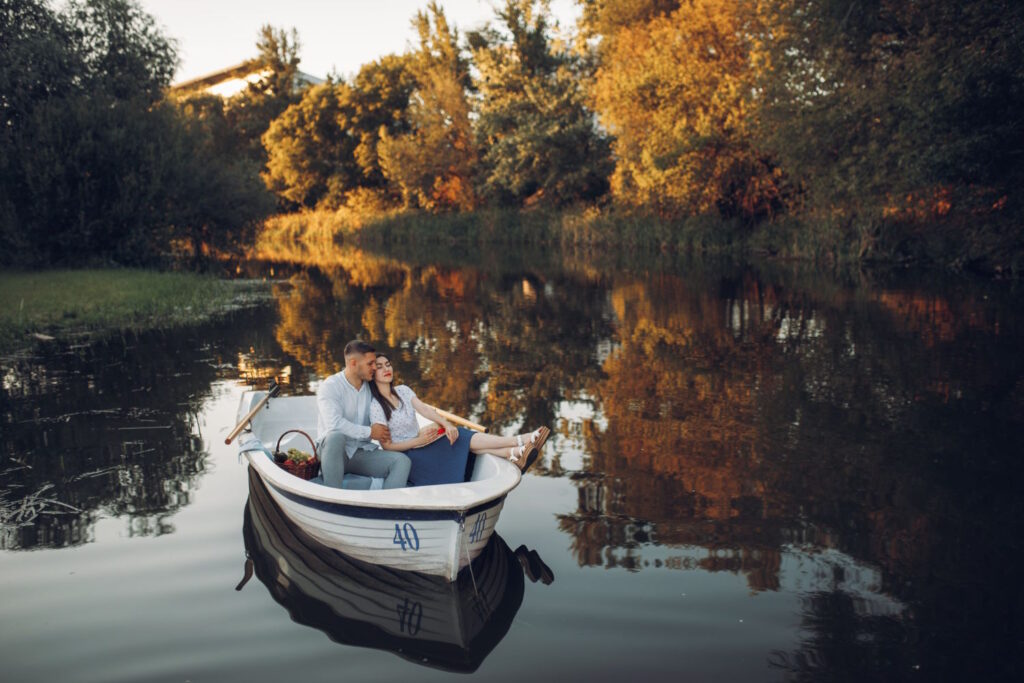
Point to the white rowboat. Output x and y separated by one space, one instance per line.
436 530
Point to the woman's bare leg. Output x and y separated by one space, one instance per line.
481 442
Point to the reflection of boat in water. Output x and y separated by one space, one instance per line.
426 619
431 529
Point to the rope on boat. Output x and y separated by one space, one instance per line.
469 559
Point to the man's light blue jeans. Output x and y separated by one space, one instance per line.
390 466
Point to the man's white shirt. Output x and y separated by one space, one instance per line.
342 407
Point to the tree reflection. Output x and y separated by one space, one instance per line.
744 417
109 429
681 441
846 644
711 417
453 330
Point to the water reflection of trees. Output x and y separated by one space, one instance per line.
740 416
453 329
733 388
110 428
846 644
744 417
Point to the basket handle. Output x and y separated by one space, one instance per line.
277 448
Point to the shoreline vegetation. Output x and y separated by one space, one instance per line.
61 305
310 236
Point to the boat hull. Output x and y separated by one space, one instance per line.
435 542
436 530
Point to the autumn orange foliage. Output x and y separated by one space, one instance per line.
679 92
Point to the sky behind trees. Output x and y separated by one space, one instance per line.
340 36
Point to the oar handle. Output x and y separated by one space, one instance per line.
460 420
275 388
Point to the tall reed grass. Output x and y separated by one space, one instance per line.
310 236
315 231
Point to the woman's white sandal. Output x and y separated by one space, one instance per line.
513 456
533 451
534 435
528 452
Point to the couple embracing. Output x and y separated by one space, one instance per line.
360 404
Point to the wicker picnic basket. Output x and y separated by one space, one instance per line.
304 470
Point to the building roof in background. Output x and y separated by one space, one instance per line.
232 80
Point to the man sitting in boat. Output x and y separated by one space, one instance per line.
343 423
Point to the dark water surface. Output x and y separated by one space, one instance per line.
757 474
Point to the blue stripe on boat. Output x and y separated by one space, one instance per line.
397 514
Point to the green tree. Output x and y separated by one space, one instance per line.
122 52
324 147
94 163
308 148
251 111
218 196
539 140
84 84
38 62
379 102
872 104
433 165
279 55
37 65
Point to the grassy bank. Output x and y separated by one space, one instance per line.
66 303
978 245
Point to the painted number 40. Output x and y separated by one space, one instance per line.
406 537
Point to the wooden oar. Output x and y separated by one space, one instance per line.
274 390
460 420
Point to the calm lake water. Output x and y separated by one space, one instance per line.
757 473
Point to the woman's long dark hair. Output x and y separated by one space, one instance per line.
379 397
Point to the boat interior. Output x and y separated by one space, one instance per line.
291 422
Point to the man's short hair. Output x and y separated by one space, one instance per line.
357 347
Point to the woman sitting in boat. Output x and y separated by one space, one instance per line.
433 457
